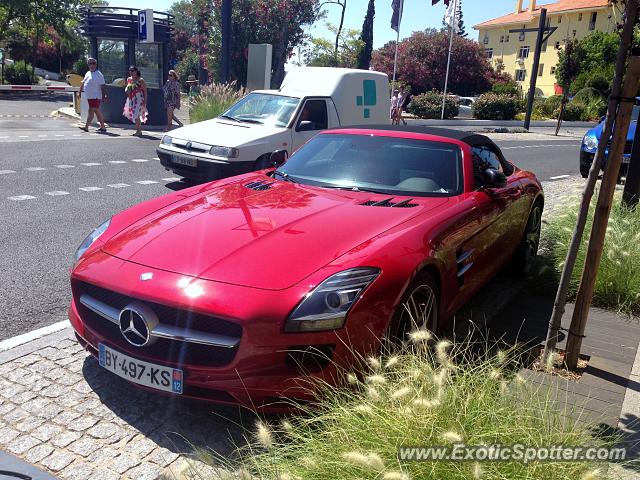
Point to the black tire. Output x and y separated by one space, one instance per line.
422 292
584 173
528 248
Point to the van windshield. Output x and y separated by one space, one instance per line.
262 108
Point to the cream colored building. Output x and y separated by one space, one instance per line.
574 19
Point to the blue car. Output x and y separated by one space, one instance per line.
590 145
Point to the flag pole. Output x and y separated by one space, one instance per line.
446 78
395 61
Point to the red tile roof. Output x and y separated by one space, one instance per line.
526 16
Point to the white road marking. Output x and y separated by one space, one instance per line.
4 137
43 136
56 193
118 185
19 198
171 179
154 158
34 169
6 172
76 135
559 177
139 160
147 182
23 136
18 340
58 135
90 189
117 161
91 164
65 166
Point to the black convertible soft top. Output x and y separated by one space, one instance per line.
469 138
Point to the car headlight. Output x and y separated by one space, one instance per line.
326 307
226 152
92 237
590 142
166 140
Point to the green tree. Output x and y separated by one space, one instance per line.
366 37
320 51
184 19
278 22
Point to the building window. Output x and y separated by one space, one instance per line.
553 70
489 53
559 18
521 37
540 69
557 46
501 38
506 39
580 17
524 52
485 40
574 33
520 75
592 23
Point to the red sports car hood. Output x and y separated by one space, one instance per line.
269 239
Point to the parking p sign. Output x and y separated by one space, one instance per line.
145 26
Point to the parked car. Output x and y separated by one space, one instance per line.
242 139
592 138
465 106
233 291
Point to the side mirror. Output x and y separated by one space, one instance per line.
278 157
494 179
305 126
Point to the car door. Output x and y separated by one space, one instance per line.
500 208
314 110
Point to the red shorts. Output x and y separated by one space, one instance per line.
94 102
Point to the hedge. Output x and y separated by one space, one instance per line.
491 106
429 105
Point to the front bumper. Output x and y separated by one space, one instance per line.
586 159
267 365
206 169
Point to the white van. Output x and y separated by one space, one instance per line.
242 139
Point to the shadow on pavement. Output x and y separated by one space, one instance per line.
180 425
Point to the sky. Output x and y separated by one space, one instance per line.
417 15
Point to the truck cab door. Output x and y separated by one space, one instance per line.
311 118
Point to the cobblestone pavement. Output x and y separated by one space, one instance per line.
61 412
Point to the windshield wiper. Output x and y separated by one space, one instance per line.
354 188
285 176
248 120
228 117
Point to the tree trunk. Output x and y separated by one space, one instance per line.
572 252
343 4
562 107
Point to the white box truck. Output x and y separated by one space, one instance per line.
242 139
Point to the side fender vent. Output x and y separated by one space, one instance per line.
259 186
388 202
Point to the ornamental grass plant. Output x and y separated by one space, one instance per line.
213 100
618 282
431 393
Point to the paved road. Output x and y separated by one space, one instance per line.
58 183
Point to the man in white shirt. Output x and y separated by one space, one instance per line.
93 87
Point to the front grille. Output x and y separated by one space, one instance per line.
173 351
628 146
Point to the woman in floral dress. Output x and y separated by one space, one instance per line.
135 106
171 92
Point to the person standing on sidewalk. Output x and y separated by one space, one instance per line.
93 87
404 103
171 92
135 105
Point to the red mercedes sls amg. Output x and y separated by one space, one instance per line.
232 291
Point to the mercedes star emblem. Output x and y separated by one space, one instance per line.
136 322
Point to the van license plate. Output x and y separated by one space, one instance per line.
188 161
143 373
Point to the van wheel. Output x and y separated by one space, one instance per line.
262 162
418 309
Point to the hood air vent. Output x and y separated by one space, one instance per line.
259 186
387 202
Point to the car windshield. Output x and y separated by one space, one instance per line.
390 165
262 108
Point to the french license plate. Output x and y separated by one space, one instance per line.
143 373
188 161
626 159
